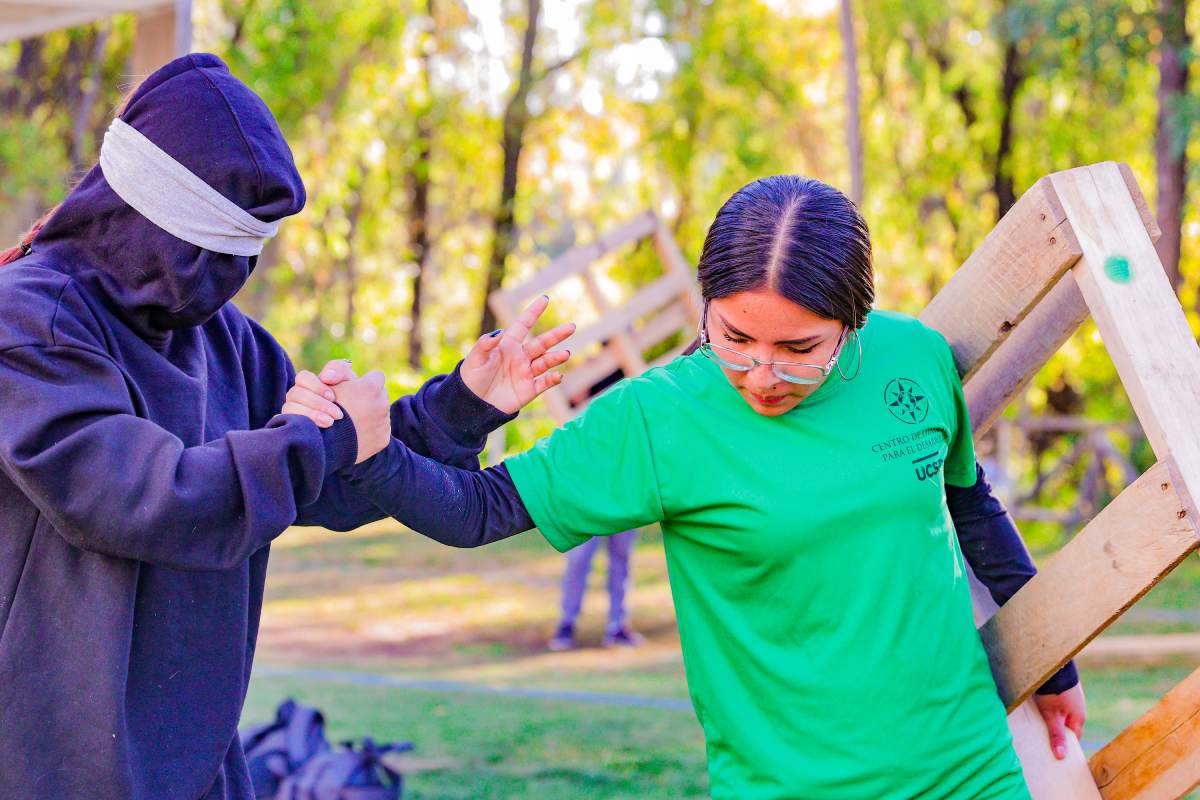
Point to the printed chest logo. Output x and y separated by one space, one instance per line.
906 400
924 448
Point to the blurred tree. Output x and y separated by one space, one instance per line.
1171 130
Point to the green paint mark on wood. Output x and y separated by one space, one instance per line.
1117 269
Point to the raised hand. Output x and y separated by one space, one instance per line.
509 370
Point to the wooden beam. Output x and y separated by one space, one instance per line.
1138 316
20 19
577 259
1005 374
156 41
1118 557
1158 756
1020 260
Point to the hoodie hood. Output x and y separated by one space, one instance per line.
214 125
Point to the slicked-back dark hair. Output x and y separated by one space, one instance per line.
797 236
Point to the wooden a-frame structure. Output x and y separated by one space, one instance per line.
663 309
1078 242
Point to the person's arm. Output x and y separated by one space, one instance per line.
443 420
446 421
114 483
993 547
454 506
595 476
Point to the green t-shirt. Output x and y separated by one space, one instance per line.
819 587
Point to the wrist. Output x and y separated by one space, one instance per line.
461 411
1066 678
341 444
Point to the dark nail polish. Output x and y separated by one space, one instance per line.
496 332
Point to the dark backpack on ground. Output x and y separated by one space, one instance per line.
347 773
277 749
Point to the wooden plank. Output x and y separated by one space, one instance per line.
994 384
1158 756
578 259
1138 316
670 320
1101 572
1139 202
674 261
155 43
1016 265
1046 776
650 298
20 19
1004 375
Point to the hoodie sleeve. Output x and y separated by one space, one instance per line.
454 506
112 482
444 420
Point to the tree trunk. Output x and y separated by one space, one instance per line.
350 263
1010 83
1170 135
516 118
853 112
81 150
418 219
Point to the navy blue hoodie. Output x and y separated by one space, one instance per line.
144 472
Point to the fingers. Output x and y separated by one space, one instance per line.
376 379
529 317
549 339
1058 736
1075 723
337 371
549 361
546 382
484 345
316 403
322 420
308 380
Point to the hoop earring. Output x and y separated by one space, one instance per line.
858 364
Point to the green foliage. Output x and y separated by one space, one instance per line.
663 104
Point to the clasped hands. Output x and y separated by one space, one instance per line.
508 369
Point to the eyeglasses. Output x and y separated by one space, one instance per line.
790 371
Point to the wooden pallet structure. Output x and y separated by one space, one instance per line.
656 313
1078 242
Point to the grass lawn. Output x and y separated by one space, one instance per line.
344 609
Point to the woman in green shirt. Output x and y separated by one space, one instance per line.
798 463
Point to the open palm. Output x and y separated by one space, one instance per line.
509 369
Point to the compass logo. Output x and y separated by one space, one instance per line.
906 400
